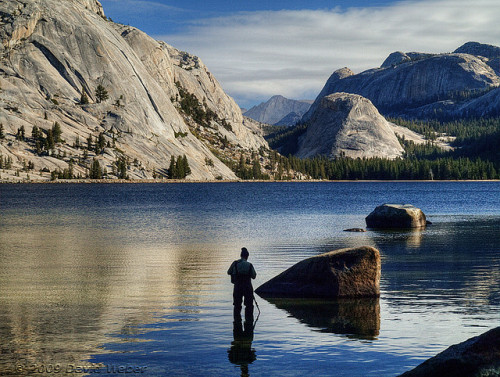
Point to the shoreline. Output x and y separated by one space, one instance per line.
169 181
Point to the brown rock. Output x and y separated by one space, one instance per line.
351 272
478 356
396 216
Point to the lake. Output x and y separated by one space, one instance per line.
131 278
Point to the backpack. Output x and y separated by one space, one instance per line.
234 268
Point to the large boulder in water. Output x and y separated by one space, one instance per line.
351 272
396 216
478 356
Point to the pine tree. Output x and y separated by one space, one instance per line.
186 170
35 133
179 168
49 141
84 99
20 133
101 143
70 169
38 147
256 169
171 168
90 144
121 168
57 132
101 94
95 170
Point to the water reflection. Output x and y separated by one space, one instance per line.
241 352
66 285
356 318
135 275
412 238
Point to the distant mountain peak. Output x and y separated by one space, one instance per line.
276 110
479 49
277 97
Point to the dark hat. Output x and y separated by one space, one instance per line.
244 252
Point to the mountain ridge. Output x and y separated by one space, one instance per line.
425 85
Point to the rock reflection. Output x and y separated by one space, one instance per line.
411 237
356 318
241 352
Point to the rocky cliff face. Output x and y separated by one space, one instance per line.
276 109
425 85
329 88
480 49
348 125
159 98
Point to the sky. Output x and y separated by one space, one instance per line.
257 49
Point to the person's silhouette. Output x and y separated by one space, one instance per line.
242 272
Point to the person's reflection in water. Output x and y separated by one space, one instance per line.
241 352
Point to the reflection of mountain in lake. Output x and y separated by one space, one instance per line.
356 318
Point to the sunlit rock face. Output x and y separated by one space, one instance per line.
348 125
51 51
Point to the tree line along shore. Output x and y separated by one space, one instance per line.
474 156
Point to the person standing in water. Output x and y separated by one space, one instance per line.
242 272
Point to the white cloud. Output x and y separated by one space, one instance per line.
258 54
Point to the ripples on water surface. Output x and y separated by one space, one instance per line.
135 275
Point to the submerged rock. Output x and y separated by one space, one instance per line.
396 216
353 272
478 356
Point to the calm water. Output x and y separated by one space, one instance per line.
134 276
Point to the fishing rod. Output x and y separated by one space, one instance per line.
258 315
256 304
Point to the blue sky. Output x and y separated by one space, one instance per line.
259 48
